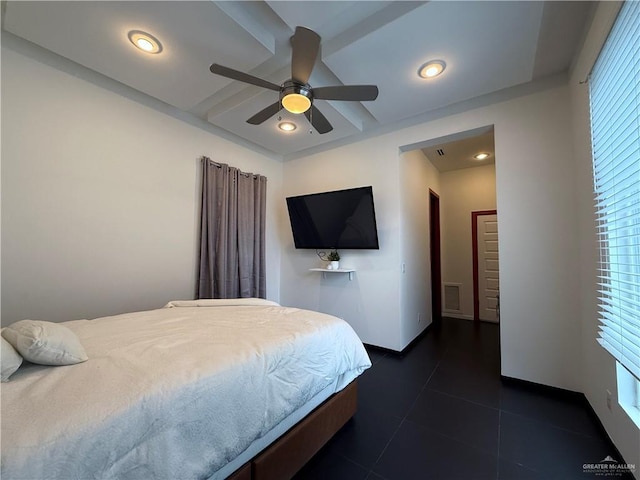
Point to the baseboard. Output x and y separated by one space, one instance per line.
380 349
565 394
416 340
457 315
557 392
405 349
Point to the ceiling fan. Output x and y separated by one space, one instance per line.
296 95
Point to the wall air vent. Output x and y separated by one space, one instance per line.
440 152
452 297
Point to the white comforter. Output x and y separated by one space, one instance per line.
173 393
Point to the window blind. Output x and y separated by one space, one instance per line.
614 89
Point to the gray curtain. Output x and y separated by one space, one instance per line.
232 233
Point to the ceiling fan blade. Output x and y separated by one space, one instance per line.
305 45
356 93
265 114
242 77
318 120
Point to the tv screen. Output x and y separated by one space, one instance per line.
343 219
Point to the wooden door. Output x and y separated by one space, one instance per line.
486 269
434 242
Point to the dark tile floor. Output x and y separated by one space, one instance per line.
440 411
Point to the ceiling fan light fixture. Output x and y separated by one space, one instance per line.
145 41
287 126
296 103
296 95
295 98
432 69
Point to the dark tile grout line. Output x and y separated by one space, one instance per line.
465 400
404 419
370 472
582 400
393 435
549 424
499 433
499 409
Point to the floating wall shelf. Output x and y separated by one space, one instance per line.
340 270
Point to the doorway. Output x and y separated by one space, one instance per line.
436 272
459 175
486 267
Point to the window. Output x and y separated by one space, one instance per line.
628 393
615 134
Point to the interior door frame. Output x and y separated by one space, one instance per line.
435 253
474 240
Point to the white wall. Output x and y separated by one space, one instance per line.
371 301
463 191
535 199
538 259
598 365
417 177
100 198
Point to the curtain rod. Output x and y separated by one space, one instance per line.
219 165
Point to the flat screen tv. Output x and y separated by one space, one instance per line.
343 219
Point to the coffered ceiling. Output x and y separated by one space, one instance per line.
487 47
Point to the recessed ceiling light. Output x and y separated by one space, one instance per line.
287 126
145 41
481 156
432 69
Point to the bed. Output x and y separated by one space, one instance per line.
205 389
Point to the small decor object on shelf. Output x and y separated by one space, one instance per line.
334 258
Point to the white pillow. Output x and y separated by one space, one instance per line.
222 302
11 359
45 343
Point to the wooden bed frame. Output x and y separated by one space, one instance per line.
286 456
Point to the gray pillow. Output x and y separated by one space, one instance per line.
45 343
11 360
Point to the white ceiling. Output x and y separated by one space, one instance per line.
457 151
487 46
